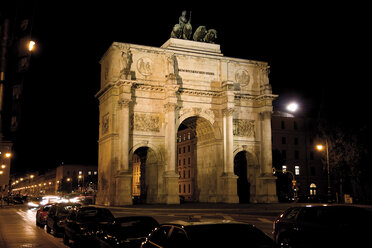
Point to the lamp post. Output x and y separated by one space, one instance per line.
321 148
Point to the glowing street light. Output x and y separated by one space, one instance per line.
31 45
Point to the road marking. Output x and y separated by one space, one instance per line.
264 220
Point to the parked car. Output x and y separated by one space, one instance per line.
83 223
207 234
322 225
41 215
57 215
126 232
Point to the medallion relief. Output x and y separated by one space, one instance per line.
144 66
242 77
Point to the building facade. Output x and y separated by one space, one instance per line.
147 93
294 153
185 146
66 178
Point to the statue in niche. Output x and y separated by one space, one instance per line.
126 63
172 64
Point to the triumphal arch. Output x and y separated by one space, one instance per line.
148 93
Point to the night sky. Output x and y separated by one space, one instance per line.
315 53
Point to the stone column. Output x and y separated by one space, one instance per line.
266 149
266 185
170 174
123 177
229 179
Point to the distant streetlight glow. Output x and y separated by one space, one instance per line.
8 155
31 45
320 147
292 107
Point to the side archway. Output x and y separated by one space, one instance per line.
245 167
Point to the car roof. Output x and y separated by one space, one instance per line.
204 222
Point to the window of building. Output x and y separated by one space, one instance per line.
297 170
188 148
284 154
184 137
179 150
295 127
312 171
188 160
89 173
184 161
95 172
297 154
284 140
296 141
188 136
184 149
189 188
283 124
313 189
284 168
80 173
311 155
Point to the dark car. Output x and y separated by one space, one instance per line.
83 223
57 215
126 232
321 226
41 215
207 234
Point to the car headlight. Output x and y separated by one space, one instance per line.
32 205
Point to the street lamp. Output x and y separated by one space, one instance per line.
31 45
321 148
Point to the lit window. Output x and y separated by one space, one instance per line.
188 136
95 172
312 189
80 172
297 170
284 168
89 173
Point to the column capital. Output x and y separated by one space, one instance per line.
170 106
124 103
228 112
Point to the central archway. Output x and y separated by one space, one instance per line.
197 160
145 175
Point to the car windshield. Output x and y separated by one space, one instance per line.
94 214
227 234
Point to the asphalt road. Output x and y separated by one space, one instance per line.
18 228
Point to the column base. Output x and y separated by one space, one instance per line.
266 189
171 195
123 194
229 192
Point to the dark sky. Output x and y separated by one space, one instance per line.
314 52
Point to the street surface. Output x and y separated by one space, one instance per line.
18 228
